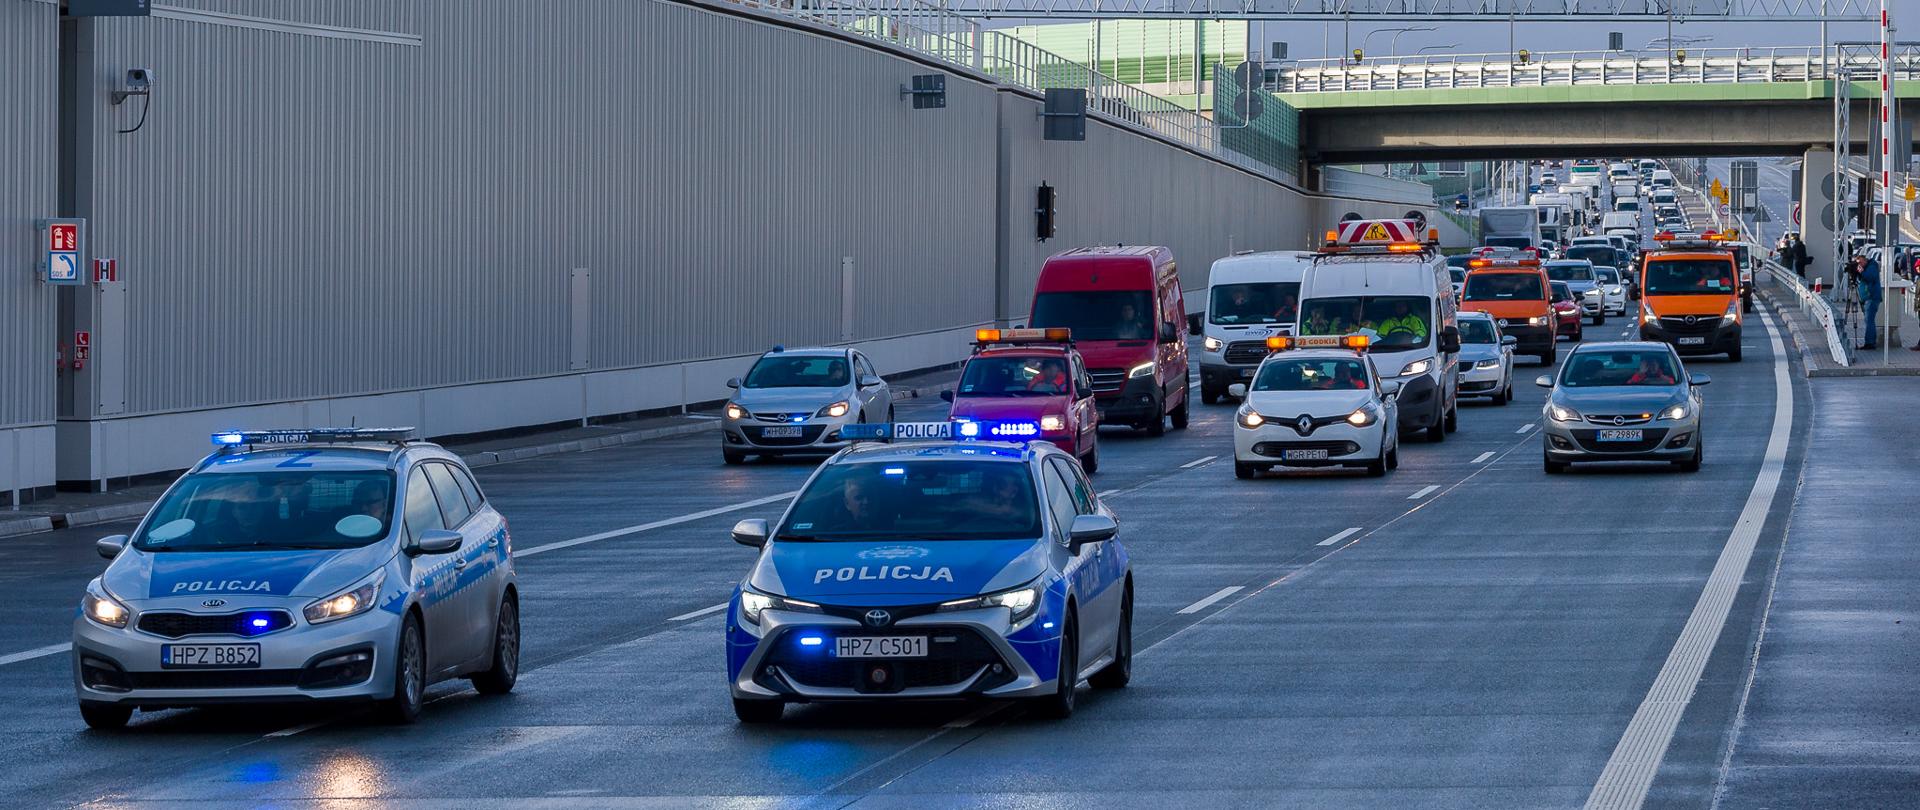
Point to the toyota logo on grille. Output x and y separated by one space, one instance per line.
878 618
1691 319
1304 424
1619 420
214 603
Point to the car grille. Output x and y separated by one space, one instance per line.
214 678
1650 439
954 654
1608 419
1246 352
775 416
808 435
1702 324
1107 380
1276 449
1479 386
172 624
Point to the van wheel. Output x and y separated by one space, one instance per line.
1437 433
1393 457
1547 357
1210 396
409 675
1180 414
733 457
1157 427
500 677
105 716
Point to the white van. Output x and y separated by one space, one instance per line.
1662 178
1627 204
1250 297
1401 297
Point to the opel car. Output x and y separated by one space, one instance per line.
795 401
1623 401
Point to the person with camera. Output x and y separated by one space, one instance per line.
1866 273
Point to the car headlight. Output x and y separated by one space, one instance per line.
1733 309
1646 314
353 601
1417 367
1677 412
1562 413
1616 290
1141 370
752 602
1491 362
1537 320
1248 418
1052 422
836 409
102 608
1213 344
1363 416
735 411
1020 602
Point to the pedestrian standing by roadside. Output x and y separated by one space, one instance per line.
1869 298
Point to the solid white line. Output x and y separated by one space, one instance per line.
1524 428
37 652
1197 462
288 732
1344 534
1424 492
698 613
1482 457
658 524
1636 759
1208 602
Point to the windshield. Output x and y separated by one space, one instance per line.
1591 253
1263 302
920 500
1561 292
1097 315
1622 367
775 371
1509 241
1626 205
1316 374
272 511
1688 277
1477 330
1607 275
1394 321
1503 287
1015 377
1459 274
1570 272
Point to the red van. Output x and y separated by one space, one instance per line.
1129 322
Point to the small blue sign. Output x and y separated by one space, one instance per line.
63 268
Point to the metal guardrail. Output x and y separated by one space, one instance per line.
1587 68
1817 307
1374 11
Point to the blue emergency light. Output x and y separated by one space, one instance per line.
234 438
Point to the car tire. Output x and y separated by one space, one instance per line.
1600 319
1059 705
409 674
1553 467
1733 354
1377 467
757 712
1119 673
1090 464
1210 396
1453 418
1438 432
733 457
1244 471
1693 464
1180 416
1547 357
504 670
1393 457
1503 396
105 716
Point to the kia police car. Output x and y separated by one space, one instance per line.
295 565
1317 401
933 570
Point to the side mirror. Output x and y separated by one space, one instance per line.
869 381
750 532
733 383
111 545
1696 378
1169 333
1509 341
437 541
1237 390
1092 529
1389 389
1543 381
1450 339
947 395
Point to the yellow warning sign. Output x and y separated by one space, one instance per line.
1716 188
1910 192
1377 232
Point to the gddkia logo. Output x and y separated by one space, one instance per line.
893 553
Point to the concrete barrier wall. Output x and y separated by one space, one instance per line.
508 216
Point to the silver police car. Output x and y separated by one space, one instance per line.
795 401
1624 401
299 565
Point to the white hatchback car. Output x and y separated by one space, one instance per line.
1316 401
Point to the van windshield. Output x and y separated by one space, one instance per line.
1508 241
1688 277
1097 314
1503 287
271 511
1591 253
1263 302
1395 322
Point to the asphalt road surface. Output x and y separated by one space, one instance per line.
1465 632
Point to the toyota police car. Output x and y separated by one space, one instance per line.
1030 383
1317 401
295 565
931 570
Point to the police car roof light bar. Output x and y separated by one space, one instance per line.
235 438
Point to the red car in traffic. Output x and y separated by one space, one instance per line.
1028 385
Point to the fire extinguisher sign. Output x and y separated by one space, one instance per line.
62 244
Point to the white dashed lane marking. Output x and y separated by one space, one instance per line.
1344 534
1482 457
1208 602
1424 492
1524 428
698 613
1197 462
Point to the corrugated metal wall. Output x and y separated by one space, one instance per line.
29 64
310 216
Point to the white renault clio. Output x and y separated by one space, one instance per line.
1317 401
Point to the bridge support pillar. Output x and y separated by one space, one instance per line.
1820 213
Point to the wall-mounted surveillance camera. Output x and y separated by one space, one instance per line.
139 82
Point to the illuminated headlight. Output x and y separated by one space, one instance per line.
1537 320
735 411
753 602
1019 602
1417 367
1646 314
1213 344
1142 370
1248 418
836 409
1676 412
1733 308
1491 362
102 607
1363 417
1562 413
353 601
1051 422
1616 290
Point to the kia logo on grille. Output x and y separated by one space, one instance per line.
214 603
1619 420
878 618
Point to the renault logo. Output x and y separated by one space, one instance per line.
878 618
1304 424
214 603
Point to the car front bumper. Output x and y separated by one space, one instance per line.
970 653
1479 382
1661 440
1137 401
1345 445
1723 336
818 436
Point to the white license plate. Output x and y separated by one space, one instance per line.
1303 455
782 432
880 647
1246 373
1693 341
210 655
1620 435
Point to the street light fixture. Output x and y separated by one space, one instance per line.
1396 31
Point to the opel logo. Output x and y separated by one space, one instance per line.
214 603
878 618
1692 319
1619 420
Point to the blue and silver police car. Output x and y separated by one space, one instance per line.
294 565
933 570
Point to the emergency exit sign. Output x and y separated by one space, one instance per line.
62 240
